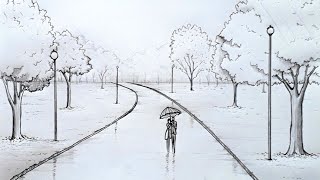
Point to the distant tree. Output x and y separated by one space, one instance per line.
296 56
208 77
190 50
72 59
26 41
264 87
93 76
233 66
102 66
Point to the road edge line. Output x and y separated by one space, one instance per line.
58 153
249 172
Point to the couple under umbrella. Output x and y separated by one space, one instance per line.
171 131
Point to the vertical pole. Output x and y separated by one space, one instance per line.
269 99
55 101
117 86
172 78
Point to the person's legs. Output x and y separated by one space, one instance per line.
168 145
173 143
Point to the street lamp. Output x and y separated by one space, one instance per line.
270 31
172 77
117 85
54 56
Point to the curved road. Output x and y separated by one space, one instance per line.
134 149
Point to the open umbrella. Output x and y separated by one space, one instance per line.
169 112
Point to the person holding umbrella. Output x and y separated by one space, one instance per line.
171 131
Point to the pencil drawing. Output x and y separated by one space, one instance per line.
170 89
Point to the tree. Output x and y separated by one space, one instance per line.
102 60
294 65
235 69
26 41
190 50
208 77
72 59
156 59
103 63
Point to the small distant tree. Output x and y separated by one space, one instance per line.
190 50
93 77
102 61
102 65
208 77
25 54
72 59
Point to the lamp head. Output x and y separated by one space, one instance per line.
54 54
270 30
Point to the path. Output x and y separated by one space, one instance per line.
135 149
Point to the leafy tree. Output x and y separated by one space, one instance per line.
296 49
190 50
24 65
235 68
72 61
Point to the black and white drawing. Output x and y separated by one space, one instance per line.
161 90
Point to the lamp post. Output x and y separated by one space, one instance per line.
117 93
54 57
270 31
172 77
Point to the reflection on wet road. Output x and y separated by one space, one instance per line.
135 149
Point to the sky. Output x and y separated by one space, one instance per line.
128 26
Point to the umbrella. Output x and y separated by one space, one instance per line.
169 112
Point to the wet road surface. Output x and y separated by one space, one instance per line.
135 149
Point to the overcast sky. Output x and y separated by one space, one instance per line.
133 25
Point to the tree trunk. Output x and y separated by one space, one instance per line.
15 104
68 95
68 81
235 94
102 77
102 83
191 85
296 127
16 120
263 88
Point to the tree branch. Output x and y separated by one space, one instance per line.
199 71
306 79
21 90
188 64
5 82
183 68
286 84
70 76
65 76
295 79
